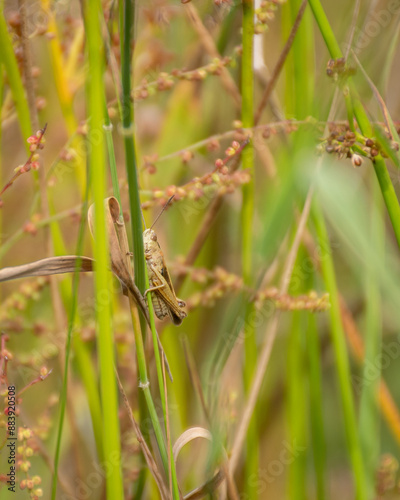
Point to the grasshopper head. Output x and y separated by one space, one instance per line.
149 234
151 245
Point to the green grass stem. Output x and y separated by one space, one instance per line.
127 9
316 404
71 322
369 412
341 357
105 341
7 57
250 345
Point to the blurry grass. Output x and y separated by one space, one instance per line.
68 346
247 220
369 414
17 89
316 408
109 399
341 357
59 74
297 402
127 22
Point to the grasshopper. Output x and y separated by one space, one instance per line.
165 301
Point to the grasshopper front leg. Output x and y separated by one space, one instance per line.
153 288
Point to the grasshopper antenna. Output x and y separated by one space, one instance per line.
162 210
144 222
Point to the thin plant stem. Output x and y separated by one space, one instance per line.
369 412
160 366
126 23
71 321
144 384
342 362
296 407
316 401
247 212
1 166
105 342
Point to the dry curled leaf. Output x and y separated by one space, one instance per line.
119 251
185 438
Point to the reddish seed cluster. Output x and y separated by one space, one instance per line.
341 143
35 142
209 185
265 13
26 449
310 302
223 282
186 156
149 163
27 445
386 475
30 228
373 148
19 300
347 144
233 150
165 81
338 69
220 181
213 145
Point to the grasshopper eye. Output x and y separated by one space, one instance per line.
153 236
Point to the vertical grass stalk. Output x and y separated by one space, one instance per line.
59 73
341 357
127 8
7 57
316 404
250 346
108 389
160 377
296 408
369 412
71 322
126 24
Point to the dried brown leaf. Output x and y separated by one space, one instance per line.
47 267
